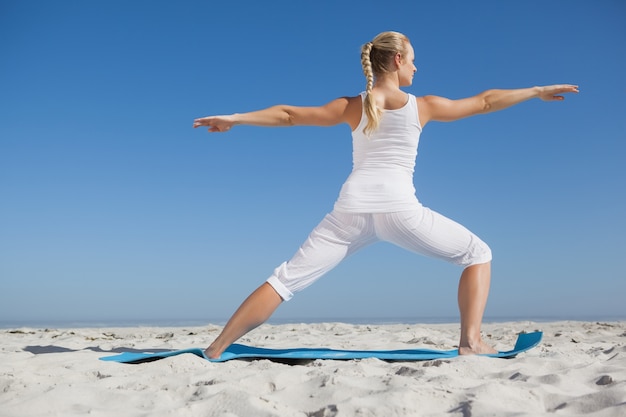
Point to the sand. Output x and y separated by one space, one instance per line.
579 369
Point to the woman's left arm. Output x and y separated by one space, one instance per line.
446 110
341 110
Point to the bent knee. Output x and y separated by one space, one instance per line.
477 253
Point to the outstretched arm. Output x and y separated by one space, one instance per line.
446 110
341 110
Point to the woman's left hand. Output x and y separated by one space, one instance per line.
215 123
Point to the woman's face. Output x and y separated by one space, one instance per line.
406 67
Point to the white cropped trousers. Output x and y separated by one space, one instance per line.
340 234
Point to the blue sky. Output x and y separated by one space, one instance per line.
113 208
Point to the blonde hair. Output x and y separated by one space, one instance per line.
377 58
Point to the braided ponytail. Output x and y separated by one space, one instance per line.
372 112
376 59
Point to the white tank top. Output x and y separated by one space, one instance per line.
383 164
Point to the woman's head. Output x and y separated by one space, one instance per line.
380 53
382 56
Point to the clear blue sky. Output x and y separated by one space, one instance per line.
112 207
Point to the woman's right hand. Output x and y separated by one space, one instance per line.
553 92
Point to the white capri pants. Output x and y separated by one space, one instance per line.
340 234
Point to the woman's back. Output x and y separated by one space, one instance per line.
383 163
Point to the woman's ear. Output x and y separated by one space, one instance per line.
398 59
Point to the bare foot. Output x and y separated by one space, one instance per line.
212 353
479 348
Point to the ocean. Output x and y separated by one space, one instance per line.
107 323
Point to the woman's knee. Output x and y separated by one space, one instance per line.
478 253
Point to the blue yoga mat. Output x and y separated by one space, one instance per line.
525 341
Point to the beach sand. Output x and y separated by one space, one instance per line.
579 369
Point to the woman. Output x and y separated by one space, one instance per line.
377 201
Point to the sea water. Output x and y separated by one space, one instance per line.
106 323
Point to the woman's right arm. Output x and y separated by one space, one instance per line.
341 110
446 110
